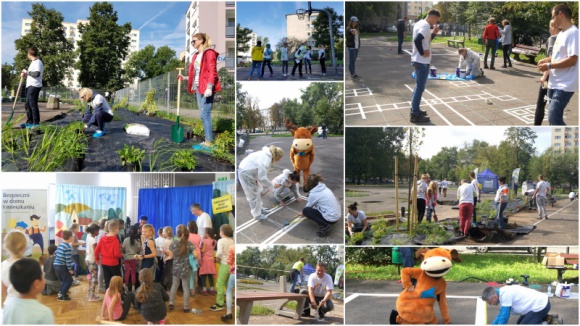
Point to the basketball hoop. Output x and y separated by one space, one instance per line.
300 13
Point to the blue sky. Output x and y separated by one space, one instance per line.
161 23
268 19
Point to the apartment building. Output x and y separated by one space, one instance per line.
564 138
301 28
218 20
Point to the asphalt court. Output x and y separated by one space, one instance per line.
383 95
282 225
371 302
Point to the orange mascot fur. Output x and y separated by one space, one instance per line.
415 304
302 152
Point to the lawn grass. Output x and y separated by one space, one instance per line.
487 266
259 310
291 305
350 193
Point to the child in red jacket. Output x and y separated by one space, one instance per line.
108 253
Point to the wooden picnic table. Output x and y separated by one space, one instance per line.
569 259
245 301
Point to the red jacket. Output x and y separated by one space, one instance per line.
491 32
208 72
109 249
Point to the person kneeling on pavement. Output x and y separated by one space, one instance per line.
531 305
469 60
322 206
98 111
320 288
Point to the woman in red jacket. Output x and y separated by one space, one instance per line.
490 36
203 80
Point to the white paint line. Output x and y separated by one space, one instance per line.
362 112
350 297
379 108
432 108
556 212
252 221
276 236
355 92
452 109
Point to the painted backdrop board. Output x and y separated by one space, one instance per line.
26 210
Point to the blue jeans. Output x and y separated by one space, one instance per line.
258 65
205 104
490 44
421 75
500 214
294 277
352 54
558 101
534 318
229 294
401 39
64 277
31 105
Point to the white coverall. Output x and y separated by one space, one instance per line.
286 188
471 62
253 174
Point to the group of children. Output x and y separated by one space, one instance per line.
180 258
262 57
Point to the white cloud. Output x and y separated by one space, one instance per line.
157 15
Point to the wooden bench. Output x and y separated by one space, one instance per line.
456 42
529 51
246 300
569 259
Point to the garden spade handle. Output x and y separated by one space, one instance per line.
178 89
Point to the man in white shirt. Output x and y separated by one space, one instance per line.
501 200
320 286
476 194
540 194
423 34
465 197
33 86
444 184
531 305
563 64
203 219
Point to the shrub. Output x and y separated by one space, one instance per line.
224 124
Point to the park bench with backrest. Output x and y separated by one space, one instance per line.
246 300
457 41
529 51
569 259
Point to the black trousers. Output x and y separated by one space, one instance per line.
31 106
264 63
109 272
299 65
316 216
540 106
474 215
420 209
127 301
323 65
329 306
506 55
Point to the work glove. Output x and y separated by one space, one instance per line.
24 72
207 92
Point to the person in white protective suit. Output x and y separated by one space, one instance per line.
253 175
469 60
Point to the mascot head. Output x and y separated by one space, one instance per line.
302 136
437 262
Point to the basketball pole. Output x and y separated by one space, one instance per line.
311 10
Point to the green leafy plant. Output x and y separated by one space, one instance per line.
356 238
149 105
198 129
224 124
222 145
184 159
131 155
122 103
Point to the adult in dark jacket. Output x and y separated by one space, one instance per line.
353 44
490 36
401 33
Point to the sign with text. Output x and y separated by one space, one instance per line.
26 210
222 204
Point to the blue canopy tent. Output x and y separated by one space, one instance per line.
488 180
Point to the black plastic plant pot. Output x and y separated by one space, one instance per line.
131 167
75 164
186 170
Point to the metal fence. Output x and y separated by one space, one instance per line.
165 87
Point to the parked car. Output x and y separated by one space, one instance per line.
392 29
530 250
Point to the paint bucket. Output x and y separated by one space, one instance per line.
462 73
433 72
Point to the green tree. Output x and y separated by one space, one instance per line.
103 46
243 36
321 32
48 35
325 100
8 77
240 105
367 10
248 257
149 63
293 44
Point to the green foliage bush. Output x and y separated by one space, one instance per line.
224 124
376 256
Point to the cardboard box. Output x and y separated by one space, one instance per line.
553 259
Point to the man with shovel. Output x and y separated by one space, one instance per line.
33 86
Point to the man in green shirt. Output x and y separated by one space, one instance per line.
296 272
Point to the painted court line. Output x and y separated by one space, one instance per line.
449 106
433 108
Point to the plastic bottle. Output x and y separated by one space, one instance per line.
550 290
457 72
197 311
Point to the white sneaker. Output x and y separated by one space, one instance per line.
284 75
261 217
318 319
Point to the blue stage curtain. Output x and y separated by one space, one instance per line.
170 206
